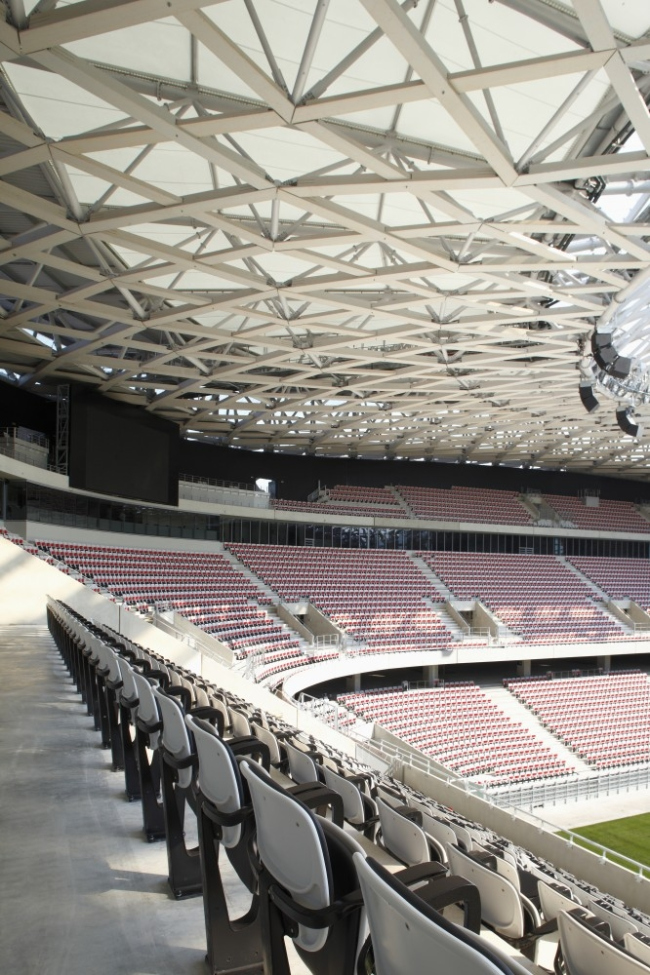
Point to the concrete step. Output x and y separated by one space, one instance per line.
435 580
509 704
583 578
245 571
289 630
408 511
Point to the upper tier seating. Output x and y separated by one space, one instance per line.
610 516
460 727
537 596
363 495
344 499
466 504
206 588
604 719
380 598
620 578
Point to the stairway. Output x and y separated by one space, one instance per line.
600 598
430 575
457 632
307 648
600 593
245 571
408 511
515 710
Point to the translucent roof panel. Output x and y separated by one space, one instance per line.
392 227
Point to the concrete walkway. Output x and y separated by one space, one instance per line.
575 814
83 893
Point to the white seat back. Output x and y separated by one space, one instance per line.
510 872
587 953
292 848
108 661
436 828
637 945
129 686
239 723
410 937
501 905
302 767
619 925
553 901
269 739
175 738
218 776
147 706
93 644
440 832
463 836
402 837
353 810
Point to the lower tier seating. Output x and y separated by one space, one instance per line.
619 578
381 599
605 719
458 726
206 588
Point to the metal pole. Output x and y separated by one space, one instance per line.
310 50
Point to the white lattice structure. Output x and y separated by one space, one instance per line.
346 227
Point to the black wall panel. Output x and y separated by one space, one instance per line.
124 453
19 408
122 450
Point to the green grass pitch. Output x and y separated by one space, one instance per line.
629 836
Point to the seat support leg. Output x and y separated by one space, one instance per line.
153 816
102 711
114 730
131 777
233 945
184 865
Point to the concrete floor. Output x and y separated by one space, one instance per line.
576 814
82 892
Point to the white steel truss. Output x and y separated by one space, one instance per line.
346 227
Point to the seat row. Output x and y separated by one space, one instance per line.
326 848
604 719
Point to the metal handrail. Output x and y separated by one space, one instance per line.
215 482
392 751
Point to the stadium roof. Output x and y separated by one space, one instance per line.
346 227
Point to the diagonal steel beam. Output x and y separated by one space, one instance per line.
160 119
403 34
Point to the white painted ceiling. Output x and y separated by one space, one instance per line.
350 227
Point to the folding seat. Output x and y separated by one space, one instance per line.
619 926
401 833
178 773
110 683
146 717
307 882
359 809
88 660
587 949
225 821
503 907
638 945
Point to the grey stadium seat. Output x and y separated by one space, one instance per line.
586 952
410 936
